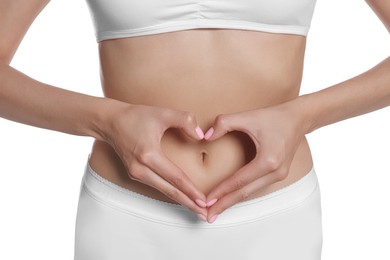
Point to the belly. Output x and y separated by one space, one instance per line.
206 72
206 163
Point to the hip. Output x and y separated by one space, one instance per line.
116 223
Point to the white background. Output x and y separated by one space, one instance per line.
40 170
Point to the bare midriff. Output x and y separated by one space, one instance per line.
206 72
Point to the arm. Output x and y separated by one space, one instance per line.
28 101
277 131
120 124
362 94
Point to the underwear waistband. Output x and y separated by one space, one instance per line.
138 205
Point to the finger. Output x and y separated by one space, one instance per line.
245 175
161 165
260 166
240 195
224 124
187 123
152 179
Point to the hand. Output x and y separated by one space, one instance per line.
276 132
135 132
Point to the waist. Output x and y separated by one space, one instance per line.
206 73
205 165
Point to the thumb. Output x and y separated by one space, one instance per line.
187 123
223 124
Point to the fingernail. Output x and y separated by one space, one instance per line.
200 203
213 218
199 132
209 133
211 202
202 217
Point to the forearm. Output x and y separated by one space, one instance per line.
25 100
362 94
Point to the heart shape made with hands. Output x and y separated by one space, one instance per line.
208 163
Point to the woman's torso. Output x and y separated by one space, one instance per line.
206 72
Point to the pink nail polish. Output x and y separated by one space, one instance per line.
199 132
200 203
202 217
211 202
209 133
213 218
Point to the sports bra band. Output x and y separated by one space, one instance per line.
128 18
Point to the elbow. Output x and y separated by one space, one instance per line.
4 65
5 59
7 52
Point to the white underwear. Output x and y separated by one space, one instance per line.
114 223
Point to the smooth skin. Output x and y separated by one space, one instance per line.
276 125
279 129
31 102
205 72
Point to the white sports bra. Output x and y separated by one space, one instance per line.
127 18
